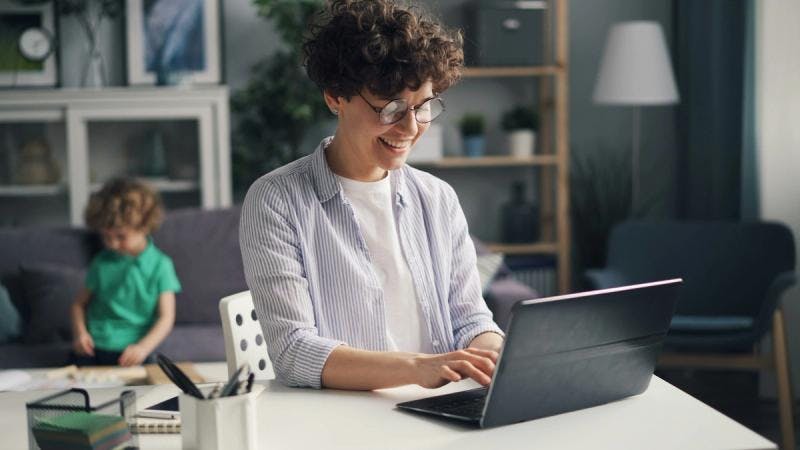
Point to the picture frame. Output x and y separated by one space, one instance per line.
172 42
16 70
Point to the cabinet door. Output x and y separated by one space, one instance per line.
170 148
33 174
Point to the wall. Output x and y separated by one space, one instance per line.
777 91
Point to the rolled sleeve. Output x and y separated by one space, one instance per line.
273 265
468 311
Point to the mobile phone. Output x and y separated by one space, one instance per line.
168 409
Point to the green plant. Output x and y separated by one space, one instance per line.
471 124
600 198
520 118
279 104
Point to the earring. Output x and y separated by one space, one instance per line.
335 112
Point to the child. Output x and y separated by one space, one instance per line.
128 304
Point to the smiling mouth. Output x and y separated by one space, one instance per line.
395 145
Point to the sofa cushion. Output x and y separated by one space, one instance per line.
21 356
49 291
204 245
198 343
503 294
71 247
10 321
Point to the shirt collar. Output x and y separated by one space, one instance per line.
327 186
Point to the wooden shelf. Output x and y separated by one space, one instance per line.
455 162
511 71
25 190
524 249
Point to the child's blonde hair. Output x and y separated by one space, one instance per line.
124 202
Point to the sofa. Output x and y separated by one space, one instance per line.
43 268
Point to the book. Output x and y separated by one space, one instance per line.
81 430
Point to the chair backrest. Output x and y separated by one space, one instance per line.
244 341
727 267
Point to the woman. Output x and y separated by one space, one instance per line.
361 268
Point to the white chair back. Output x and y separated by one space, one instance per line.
244 341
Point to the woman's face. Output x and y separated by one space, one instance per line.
365 147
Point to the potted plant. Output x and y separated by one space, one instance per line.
520 124
472 126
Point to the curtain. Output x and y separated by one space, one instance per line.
710 69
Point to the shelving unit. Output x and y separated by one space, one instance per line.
95 135
552 160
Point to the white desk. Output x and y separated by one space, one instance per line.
661 418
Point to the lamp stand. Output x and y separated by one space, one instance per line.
635 161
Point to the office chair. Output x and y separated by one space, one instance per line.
734 275
243 339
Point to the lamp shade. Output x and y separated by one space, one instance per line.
635 69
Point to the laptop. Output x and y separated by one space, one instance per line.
566 353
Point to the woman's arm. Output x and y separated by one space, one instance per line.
354 369
488 341
82 342
136 353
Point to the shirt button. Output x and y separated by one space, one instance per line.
435 343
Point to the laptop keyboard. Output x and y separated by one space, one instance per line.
465 404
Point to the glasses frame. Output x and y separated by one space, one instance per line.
413 109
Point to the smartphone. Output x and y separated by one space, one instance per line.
168 409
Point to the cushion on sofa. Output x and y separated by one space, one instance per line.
70 247
204 245
10 321
49 290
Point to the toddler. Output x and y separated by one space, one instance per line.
127 306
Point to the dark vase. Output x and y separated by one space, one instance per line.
520 217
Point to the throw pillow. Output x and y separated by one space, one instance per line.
10 321
49 291
488 265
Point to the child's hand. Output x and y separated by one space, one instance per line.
83 344
133 355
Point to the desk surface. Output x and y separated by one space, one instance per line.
661 418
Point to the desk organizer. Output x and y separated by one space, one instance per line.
224 423
73 400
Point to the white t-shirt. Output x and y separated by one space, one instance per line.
372 204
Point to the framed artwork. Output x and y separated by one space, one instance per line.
27 43
173 41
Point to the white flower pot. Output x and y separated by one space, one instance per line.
521 143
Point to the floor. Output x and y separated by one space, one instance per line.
734 393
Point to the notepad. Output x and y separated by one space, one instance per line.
146 425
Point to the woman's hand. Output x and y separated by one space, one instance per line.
133 355
83 344
433 371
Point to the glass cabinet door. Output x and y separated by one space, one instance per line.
171 149
34 175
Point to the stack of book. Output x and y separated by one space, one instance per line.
81 431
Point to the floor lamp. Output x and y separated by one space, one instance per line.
635 71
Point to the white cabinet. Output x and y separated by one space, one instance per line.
57 146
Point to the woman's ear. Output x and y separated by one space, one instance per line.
334 103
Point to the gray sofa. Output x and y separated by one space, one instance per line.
43 268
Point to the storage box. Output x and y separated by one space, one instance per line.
506 33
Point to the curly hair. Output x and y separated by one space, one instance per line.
382 46
124 202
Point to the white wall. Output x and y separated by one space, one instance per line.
777 91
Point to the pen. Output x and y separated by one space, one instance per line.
232 384
250 379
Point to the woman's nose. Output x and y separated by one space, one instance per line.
409 122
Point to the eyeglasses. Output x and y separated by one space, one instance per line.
396 109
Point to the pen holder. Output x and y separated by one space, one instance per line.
227 423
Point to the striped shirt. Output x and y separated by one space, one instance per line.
314 285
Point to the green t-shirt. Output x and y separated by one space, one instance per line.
125 291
